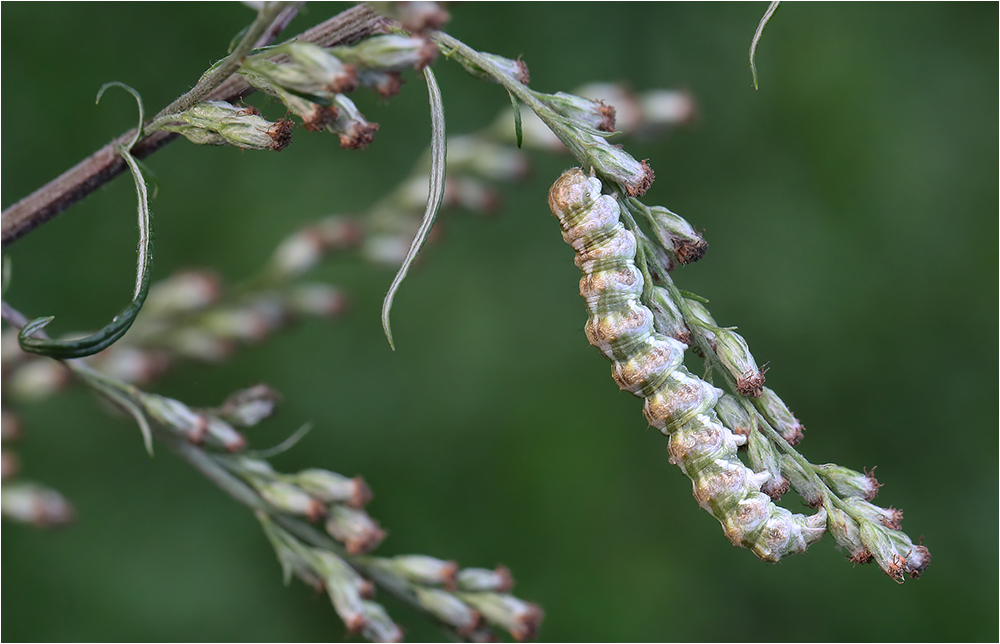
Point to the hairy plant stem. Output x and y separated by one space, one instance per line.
104 165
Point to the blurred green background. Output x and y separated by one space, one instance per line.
851 206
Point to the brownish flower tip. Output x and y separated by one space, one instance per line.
689 252
523 75
389 84
421 16
196 432
607 117
249 110
345 83
923 555
528 623
322 116
640 187
9 465
468 631
281 134
775 489
366 589
361 494
794 435
863 557
236 444
895 568
364 543
892 519
507 580
875 484
683 336
316 510
450 576
359 136
750 384
355 623
11 427
426 56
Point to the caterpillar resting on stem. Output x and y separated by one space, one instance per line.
650 365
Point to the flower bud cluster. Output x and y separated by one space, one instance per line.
220 123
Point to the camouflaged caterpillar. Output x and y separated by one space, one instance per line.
650 365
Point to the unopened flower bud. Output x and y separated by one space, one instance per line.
734 353
780 417
288 498
889 517
593 114
310 70
340 233
889 553
478 580
516 69
177 416
663 107
354 528
350 125
628 110
765 458
846 482
321 300
471 194
219 123
386 84
667 318
299 252
847 533
253 466
343 585
916 557
421 569
619 166
222 433
520 618
733 415
676 235
449 609
134 366
183 292
391 52
199 344
808 488
330 487
37 379
378 626
35 505
414 16
248 407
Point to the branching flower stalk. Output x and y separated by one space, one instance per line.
643 323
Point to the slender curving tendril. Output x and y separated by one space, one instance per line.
114 330
435 195
756 38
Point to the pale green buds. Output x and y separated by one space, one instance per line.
177 416
676 235
322 300
893 551
667 318
449 609
780 417
847 534
344 586
223 433
811 490
387 84
391 52
889 517
304 249
516 69
735 356
847 483
619 166
35 505
520 618
354 528
421 569
37 379
330 487
765 458
734 416
288 498
378 626
593 114
476 155
310 70
479 580
354 131
183 292
219 123
248 407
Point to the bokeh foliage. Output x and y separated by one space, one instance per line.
851 208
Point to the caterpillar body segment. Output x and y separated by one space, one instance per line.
649 364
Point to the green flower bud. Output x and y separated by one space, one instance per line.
222 433
183 292
310 70
330 487
667 318
177 416
593 114
288 498
765 458
478 580
248 407
810 491
780 417
619 166
387 84
734 416
321 300
889 517
883 549
36 380
35 505
846 482
847 533
390 52
676 235
449 609
520 618
734 353
354 528
344 586
354 131
421 569
378 626
516 69
219 123
475 155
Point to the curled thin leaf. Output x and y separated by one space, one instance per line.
283 446
517 118
114 330
756 38
435 195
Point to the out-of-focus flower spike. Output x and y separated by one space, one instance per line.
520 618
343 585
379 627
11 426
664 107
299 252
595 114
310 70
810 491
37 379
220 123
132 365
676 234
199 344
390 52
846 482
354 528
248 407
330 487
414 16
420 569
182 292
449 609
780 417
319 299
473 154
9 465
618 166
471 194
35 505
478 580
350 125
